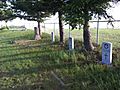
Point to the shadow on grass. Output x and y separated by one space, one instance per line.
36 44
38 86
90 73
45 66
41 54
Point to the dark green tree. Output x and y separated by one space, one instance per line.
82 11
6 13
33 10
57 6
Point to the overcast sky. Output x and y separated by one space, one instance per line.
115 12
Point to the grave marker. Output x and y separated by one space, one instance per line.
53 37
106 53
71 43
37 35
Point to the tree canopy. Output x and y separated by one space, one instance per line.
77 11
57 6
81 11
30 9
6 13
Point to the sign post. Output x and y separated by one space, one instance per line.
106 53
97 36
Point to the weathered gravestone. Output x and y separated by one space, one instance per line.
106 53
37 35
71 43
53 37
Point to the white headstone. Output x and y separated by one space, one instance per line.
106 53
71 43
53 37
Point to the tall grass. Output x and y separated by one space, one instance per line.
27 64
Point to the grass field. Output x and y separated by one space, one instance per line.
26 64
105 35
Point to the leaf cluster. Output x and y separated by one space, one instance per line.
30 9
6 13
77 11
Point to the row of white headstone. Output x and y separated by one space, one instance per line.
106 49
71 41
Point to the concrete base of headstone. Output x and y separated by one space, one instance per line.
37 37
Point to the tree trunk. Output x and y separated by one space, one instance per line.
60 27
87 37
39 28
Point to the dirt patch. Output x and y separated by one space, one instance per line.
23 42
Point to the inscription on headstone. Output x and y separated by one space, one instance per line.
106 53
71 43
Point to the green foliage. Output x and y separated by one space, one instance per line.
76 12
56 5
6 13
30 9
79 12
3 28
